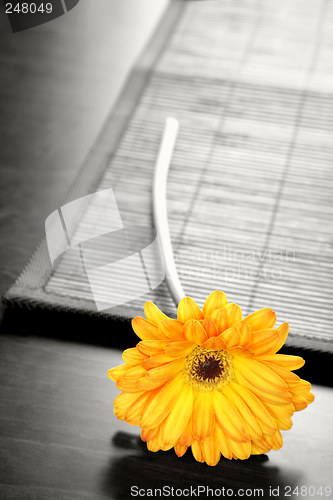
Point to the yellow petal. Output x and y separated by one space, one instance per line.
220 318
211 452
278 398
173 426
231 337
146 330
291 379
261 320
188 309
179 349
180 450
283 360
258 410
259 375
210 327
277 441
283 332
118 372
153 314
166 371
203 417
193 331
197 451
221 441
161 406
229 419
133 357
171 329
240 450
234 314
243 409
216 300
150 347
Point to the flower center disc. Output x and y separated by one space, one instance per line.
206 370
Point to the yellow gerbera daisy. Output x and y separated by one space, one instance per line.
210 380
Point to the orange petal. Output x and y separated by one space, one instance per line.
133 357
158 359
211 451
118 372
179 349
216 300
229 419
231 337
128 385
146 330
234 314
261 320
134 373
264 341
175 423
210 327
145 384
220 318
150 347
180 450
186 437
123 401
245 332
150 434
134 412
193 331
153 314
166 371
299 402
197 451
171 329
283 360
160 407
188 309
215 343
203 417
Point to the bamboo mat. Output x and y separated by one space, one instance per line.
250 187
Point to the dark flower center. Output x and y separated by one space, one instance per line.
210 368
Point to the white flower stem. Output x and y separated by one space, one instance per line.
160 213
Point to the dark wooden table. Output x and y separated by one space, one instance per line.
60 439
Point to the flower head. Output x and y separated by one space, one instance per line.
210 380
